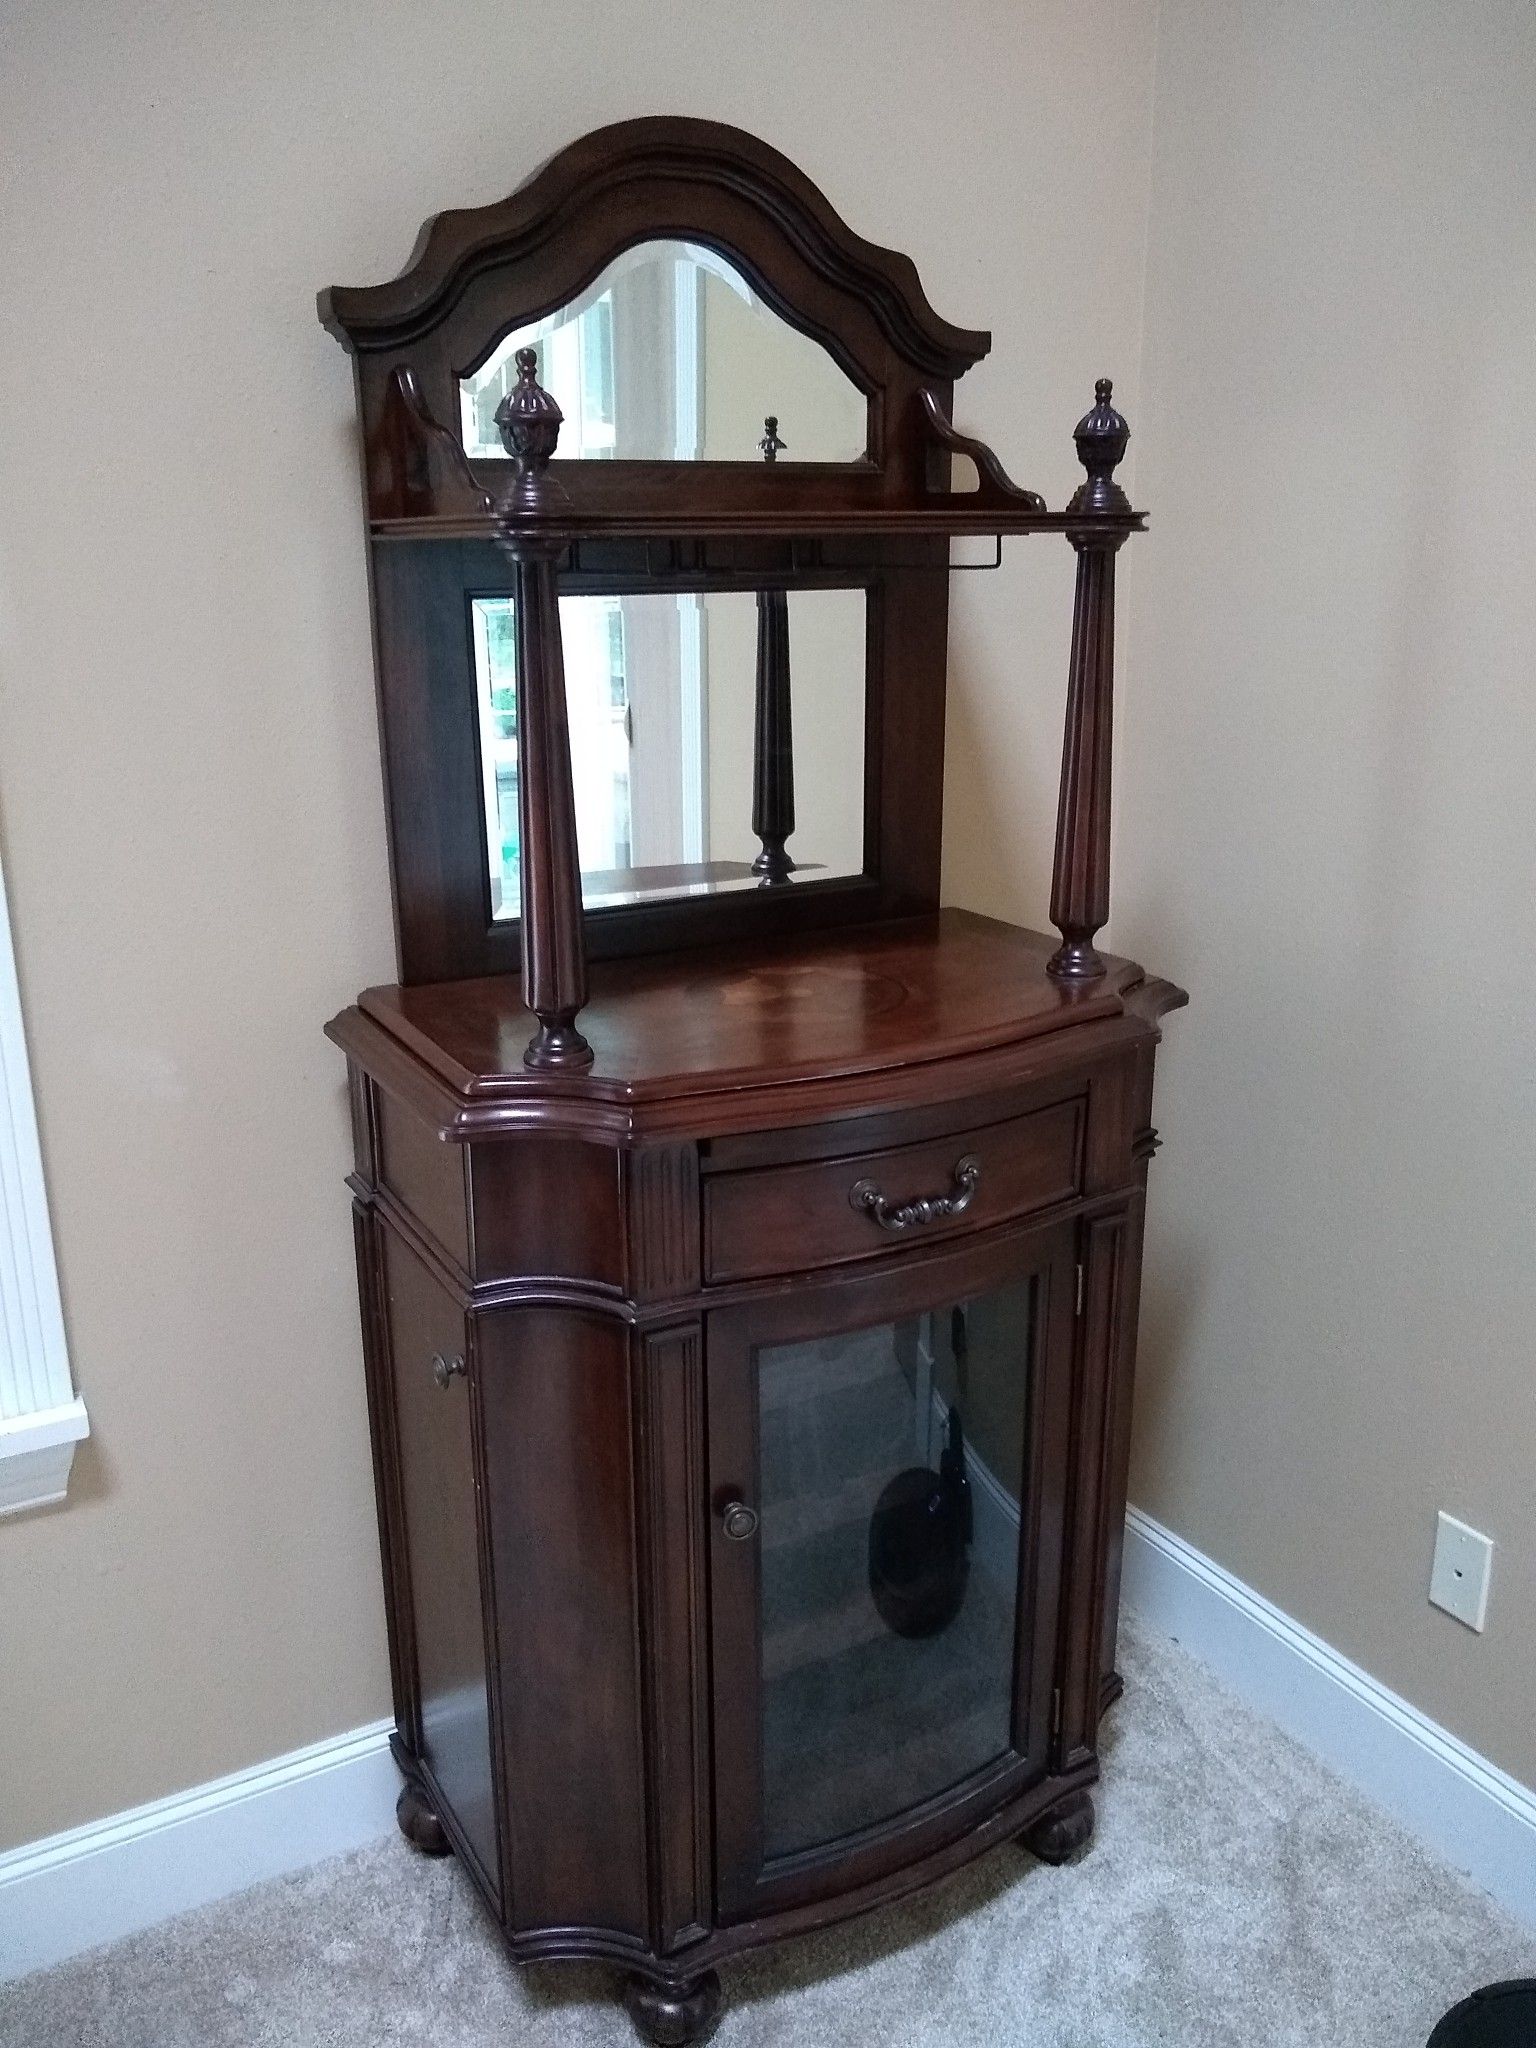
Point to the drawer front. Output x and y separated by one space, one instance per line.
793 1219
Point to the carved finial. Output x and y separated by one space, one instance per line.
1101 436
528 420
770 443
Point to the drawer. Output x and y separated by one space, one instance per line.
793 1219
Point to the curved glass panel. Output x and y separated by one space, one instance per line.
671 356
893 1463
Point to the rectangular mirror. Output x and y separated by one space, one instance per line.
700 723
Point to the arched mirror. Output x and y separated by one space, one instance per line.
670 355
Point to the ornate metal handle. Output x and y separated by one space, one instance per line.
867 1198
446 1369
738 1521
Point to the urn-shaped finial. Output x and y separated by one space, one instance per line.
1101 436
528 420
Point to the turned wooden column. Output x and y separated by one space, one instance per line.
773 755
554 952
1080 879
773 750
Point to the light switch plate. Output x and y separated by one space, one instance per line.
1458 1579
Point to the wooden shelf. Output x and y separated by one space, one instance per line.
750 1023
791 523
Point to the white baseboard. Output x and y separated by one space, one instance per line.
1469 1812
97 1883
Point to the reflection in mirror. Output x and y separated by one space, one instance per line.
663 700
671 356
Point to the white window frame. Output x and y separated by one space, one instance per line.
41 1417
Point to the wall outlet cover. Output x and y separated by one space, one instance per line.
1458 1579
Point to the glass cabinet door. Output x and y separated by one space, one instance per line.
886 1545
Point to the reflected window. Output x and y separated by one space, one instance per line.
661 704
671 356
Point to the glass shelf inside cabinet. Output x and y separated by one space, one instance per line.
893 1463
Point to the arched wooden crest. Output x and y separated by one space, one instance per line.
478 274
623 184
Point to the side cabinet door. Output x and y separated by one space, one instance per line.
429 1378
888 1479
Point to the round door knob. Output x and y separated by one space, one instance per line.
446 1369
738 1521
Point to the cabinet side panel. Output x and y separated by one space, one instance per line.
558 1432
1121 1394
546 1208
1103 1250
434 1432
1143 1144
671 1406
386 1474
425 1174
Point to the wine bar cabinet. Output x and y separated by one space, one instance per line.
748 1247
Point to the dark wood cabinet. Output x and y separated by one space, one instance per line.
749 1284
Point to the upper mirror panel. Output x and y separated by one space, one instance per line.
671 356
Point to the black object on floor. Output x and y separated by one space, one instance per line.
1499 2016
919 1543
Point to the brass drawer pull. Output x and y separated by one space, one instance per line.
446 1369
867 1198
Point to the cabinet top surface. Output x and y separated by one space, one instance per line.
761 1012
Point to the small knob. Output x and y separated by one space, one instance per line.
446 1369
738 1521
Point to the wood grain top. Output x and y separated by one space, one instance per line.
756 1014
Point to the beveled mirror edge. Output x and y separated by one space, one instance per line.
660 378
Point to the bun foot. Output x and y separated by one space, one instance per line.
673 2015
1062 1830
419 1824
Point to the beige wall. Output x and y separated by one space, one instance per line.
189 797
1327 828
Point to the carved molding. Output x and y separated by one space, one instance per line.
996 488
667 153
661 1200
421 467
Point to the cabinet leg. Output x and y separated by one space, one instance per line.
419 1823
1062 1830
673 2015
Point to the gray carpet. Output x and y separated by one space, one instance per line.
1236 1895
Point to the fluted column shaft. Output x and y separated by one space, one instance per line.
1080 879
554 955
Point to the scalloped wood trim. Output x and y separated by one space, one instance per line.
455 246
